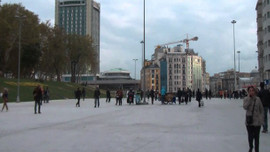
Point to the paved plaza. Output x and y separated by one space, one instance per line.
216 127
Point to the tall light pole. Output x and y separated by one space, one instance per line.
144 51
233 22
135 68
238 61
142 42
20 17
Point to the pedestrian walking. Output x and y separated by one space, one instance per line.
199 97
254 117
5 99
108 96
186 95
37 93
265 99
78 97
206 93
130 96
138 96
152 95
46 95
163 93
148 94
189 95
210 94
119 96
83 93
179 95
96 96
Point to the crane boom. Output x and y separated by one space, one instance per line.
181 41
170 43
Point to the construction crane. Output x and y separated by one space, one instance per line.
181 41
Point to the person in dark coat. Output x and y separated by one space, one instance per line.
206 94
179 95
108 96
130 96
210 94
265 99
46 95
199 97
189 95
186 95
37 93
96 96
5 99
78 97
152 95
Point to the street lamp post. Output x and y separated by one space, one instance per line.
233 22
20 17
238 61
135 68
144 52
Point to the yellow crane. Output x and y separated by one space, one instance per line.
181 41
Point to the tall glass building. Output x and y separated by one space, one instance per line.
80 17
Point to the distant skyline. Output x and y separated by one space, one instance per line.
168 21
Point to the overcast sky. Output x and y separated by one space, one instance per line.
168 21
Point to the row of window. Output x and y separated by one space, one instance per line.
266 58
72 2
265 2
267 30
266 16
73 9
177 60
176 66
178 77
266 44
177 71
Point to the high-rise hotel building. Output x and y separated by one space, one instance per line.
263 36
80 17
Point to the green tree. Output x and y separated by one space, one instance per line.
81 54
12 16
53 51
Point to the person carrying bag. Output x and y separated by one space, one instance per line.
249 119
254 117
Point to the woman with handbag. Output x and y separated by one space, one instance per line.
5 99
254 117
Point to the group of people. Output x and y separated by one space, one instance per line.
130 95
256 104
38 93
232 94
81 93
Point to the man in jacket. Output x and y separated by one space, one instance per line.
37 93
199 97
78 97
265 99
179 95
